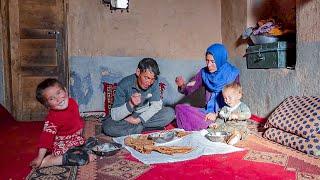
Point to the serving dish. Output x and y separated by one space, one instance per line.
163 137
220 136
107 149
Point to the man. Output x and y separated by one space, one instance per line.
137 105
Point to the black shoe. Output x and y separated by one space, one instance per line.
75 156
90 143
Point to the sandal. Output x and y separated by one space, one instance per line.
75 156
90 143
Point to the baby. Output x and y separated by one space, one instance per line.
233 117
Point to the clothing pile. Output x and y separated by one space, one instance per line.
268 28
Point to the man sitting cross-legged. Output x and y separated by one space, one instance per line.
137 104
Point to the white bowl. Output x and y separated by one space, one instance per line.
220 136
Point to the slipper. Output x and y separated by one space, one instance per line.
75 156
90 143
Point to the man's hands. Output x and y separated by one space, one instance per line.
135 99
133 120
211 117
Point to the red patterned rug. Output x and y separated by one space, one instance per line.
262 159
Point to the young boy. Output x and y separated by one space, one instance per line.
233 117
62 131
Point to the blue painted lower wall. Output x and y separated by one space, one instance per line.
87 75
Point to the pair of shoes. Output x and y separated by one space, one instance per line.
234 139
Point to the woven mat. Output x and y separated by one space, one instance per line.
265 151
121 166
114 167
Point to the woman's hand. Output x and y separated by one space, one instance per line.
180 81
211 117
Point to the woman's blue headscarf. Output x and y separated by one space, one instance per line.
214 82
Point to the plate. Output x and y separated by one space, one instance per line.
163 137
107 149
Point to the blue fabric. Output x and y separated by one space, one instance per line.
214 82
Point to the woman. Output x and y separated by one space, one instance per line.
217 73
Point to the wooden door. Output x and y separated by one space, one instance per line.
37 44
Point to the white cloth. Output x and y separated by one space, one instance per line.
201 146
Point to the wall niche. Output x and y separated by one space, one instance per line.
282 16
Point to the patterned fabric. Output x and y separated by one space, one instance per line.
162 87
49 127
267 159
63 143
308 146
53 172
59 125
295 123
110 90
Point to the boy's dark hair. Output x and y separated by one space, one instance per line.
43 85
150 65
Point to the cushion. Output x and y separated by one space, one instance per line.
307 145
296 121
110 90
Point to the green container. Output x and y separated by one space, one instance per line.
279 54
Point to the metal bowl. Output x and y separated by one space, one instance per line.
263 39
107 149
220 136
162 137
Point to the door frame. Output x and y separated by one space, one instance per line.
6 50
5 37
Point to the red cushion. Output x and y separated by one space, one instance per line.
109 91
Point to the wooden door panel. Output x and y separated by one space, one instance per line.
31 108
37 51
35 43
38 57
39 2
40 71
37 15
26 33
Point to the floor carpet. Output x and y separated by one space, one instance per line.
262 159
18 142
